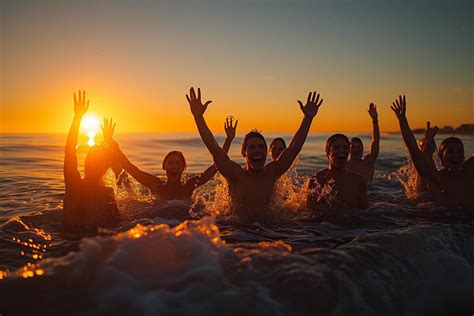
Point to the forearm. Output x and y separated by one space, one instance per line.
72 137
207 136
300 137
415 153
374 149
408 136
227 143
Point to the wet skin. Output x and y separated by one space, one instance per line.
451 186
350 186
174 188
357 163
252 187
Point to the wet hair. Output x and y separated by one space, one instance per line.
253 134
98 160
445 143
357 139
278 139
333 138
177 154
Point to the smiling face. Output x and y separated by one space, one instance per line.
255 153
174 168
338 153
452 155
356 149
276 147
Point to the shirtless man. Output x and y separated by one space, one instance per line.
453 184
251 188
336 186
365 166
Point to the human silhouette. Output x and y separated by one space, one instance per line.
88 203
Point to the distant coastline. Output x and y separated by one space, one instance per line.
463 129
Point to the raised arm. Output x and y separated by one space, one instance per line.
72 178
286 158
212 170
429 146
222 162
421 165
146 179
375 146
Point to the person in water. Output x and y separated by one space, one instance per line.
251 188
365 166
337 186
451 186
428 149
276 147
88 203
174 164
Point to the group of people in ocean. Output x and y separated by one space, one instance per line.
89 203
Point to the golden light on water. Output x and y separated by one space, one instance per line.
90 124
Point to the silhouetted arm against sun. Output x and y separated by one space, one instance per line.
146 179
72 178
421 165
222 162
375 146
286 158
212 170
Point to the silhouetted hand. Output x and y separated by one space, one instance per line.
108 130
310 109
197 108
373 112
229 129
430 133
400 107
80 105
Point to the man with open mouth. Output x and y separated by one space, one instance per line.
251 187
337 187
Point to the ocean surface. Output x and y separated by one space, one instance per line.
399 257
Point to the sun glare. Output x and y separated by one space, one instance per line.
90 124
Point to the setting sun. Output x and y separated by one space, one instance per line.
90 125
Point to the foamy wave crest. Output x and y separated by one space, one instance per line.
189 269
146 270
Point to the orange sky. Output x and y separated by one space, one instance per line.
137 62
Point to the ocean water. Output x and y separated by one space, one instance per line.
398 257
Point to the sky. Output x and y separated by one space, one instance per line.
253 59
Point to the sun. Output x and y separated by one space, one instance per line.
90 124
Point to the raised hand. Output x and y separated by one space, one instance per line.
108 130
229 129
373 112
430 133
400 107
195 103
80 105
310 109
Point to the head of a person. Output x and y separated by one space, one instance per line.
174 165
254 150
337 150
451 153
276 147
98 161
422 144
356 148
